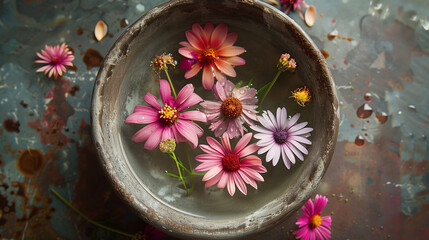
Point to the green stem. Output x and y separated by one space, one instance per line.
269 88
197 174
190 168
87 218
180 172
171 83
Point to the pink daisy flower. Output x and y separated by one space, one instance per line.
311 224
168 121
230 167
56 58
296 4
280 137
234 107
212 50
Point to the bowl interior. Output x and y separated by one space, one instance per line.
127 76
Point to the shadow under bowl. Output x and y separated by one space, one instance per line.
138 175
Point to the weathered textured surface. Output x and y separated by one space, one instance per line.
383 49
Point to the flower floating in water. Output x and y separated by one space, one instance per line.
286 63
301 95
161 63
230 167
55 58
311 224
168 121
235 106
281 137
212 50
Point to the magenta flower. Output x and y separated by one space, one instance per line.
56 58
296 4
230 167
212 50
280 137
168 121
311 224
235 106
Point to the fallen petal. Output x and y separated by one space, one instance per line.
100 30
310 16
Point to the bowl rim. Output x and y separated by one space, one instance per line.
250 224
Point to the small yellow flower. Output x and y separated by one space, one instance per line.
161 63
302 96
286 63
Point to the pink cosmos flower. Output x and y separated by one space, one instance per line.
280 137
311 224
235 106
296 4
168 121
212 50
230 167
56 58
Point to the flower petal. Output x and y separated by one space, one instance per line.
184 94
247 179
184 128
288 153
225 143
242 143
188 52
239 182
223 180
194 116
208 78
215 145
225 67
191 101
292 121
230 51
230 39
199 31
214 180
143 115
194 40
235 61
212 172
152 101
231 184
164 91
218 36
248 150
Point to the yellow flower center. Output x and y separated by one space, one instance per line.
302 96
315 221
231 107
209 55
168 115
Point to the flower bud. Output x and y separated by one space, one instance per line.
167 146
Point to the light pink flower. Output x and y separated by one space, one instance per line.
280 137
230 167
311 224
296 4
212 50
235 106
168 121
56 58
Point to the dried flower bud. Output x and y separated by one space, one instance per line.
167 146
302 96
161 63
286 63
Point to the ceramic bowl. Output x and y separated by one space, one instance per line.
138 175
